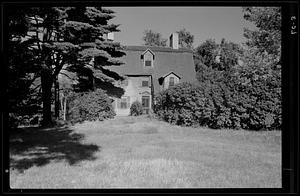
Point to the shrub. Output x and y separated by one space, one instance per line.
184 104
16 119
89 106
136 109
227 104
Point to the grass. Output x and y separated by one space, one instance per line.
136 152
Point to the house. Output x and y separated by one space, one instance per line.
150 69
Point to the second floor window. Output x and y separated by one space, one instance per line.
148 63
148 58
171 81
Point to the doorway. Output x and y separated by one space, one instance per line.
146 104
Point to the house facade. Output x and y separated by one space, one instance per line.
150 69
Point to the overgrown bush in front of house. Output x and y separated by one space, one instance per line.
229 104
184 104
89 106
136 108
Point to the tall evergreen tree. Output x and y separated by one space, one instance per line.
71 38
23 66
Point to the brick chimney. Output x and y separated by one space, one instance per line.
110 36
174 41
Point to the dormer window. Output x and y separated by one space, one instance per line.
148 63
171 81
148 58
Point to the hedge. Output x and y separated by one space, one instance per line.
89 106
221 105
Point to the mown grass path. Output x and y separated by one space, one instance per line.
137 152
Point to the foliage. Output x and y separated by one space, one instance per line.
59 36
241 95
267 36
152 38
220 57
226 104
23 85
206 53
228 56
207 74
186 39
89 106
184 104
136 108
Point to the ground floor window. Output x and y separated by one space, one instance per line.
124 103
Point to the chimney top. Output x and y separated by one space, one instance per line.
174 41
110 36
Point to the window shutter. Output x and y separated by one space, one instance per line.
142 56
128 102
153 57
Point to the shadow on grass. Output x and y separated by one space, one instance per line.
36 146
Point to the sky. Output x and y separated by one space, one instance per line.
202 22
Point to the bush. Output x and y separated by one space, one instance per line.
90 106
184 104
227 104
16 119
136 109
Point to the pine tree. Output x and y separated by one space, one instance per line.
71 38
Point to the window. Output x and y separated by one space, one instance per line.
148 63
146 104
148 58
171 81
145 83
124 103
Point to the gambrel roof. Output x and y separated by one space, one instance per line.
179 61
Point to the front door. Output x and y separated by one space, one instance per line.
146 104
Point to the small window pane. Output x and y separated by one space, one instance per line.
171 81
123 103
145 83
148 63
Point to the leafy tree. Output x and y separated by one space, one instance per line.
70 37
207 53
267 36
220 57
186 39
228 55
152 38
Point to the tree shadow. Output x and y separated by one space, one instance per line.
37 146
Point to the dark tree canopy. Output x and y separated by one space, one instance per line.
70 38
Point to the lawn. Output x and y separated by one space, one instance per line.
138 152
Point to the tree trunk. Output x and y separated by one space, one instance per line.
56 97
46 80
65 108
